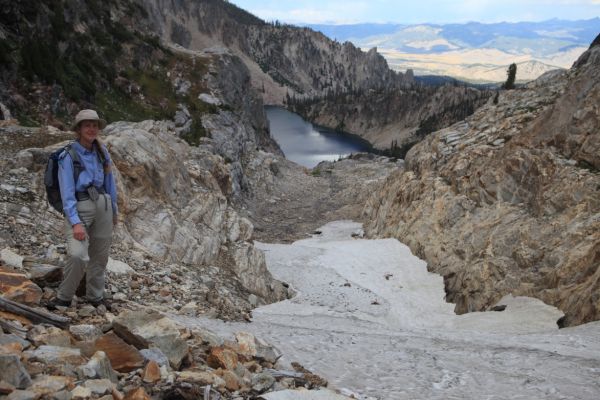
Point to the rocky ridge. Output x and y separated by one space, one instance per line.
331 84
281 58
507 200
392 117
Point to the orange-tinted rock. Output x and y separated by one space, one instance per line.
202 377
232 382
220 357
14 317
123 357
11 348
137 394
15 286
117 395
151 372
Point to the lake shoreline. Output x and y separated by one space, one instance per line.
309 144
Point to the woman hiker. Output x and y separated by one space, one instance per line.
90 207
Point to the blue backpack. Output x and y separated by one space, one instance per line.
51 174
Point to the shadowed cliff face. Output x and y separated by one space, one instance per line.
507 201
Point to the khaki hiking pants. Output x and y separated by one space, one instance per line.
88 256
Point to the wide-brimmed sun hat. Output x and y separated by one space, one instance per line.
88 115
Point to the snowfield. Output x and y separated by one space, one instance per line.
370 318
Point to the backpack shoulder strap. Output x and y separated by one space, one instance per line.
77 165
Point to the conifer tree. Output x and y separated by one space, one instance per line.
511 75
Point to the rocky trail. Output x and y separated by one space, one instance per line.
370 318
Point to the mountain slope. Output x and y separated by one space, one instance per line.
281 58
507 201
77 51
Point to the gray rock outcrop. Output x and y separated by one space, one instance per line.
180 215
507 201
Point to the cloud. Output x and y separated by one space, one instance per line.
338 12
420 11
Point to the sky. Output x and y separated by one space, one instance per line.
418 11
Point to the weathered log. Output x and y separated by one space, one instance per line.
36 316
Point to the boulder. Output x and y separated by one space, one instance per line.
183 216
156 355
81 392
222 357
12 338
262 382
246 344
15 286
99 367
40 335
13 371
85 332
200 377
251 346
144 329
55 355
266 352
10 258
232 381
208 337
137 394
99 387
118 267
151 372
11 348
123 357
47 384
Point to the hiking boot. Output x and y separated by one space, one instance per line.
100 302
56 302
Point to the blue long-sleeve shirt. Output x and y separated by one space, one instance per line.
92 174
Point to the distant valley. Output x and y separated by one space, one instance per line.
474 52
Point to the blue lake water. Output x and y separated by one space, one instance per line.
307 144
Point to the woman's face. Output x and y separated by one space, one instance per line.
88 131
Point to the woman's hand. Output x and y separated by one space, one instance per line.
79 232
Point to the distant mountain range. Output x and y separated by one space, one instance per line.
473 51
